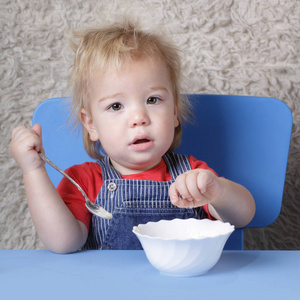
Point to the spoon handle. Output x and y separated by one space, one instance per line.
91 206
47 160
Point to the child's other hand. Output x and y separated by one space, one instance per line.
196 188
25 145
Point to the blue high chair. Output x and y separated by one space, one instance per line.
245 139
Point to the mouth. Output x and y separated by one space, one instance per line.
141 141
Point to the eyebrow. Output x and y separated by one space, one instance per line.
157 88
109 96
154 88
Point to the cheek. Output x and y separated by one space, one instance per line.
109 133
167 127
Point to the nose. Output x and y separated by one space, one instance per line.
139 117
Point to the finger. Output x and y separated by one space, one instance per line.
19 135
26 139
192 186
173 193
181 187
17 132
203 180
176 198
37 129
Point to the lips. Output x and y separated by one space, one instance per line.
141 143
140 139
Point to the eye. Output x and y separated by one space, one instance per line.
153 100
116 106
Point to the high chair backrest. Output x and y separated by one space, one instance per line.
245 139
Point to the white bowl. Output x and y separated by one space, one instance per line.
188 247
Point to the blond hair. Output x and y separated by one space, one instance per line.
98 49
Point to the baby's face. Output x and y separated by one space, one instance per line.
133 114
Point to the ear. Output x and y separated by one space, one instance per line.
88 123
176 121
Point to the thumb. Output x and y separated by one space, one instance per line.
38 131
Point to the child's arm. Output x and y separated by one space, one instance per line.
228 201
56 226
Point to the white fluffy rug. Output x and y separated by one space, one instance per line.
230 47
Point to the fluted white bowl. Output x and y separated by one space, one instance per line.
188 247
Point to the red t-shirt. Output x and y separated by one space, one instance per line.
89 176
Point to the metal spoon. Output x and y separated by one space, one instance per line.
92 207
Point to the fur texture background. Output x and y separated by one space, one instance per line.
242 47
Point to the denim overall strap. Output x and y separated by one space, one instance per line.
133 202
177 164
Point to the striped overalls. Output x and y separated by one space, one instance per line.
134 202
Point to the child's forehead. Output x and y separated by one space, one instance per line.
116 64
133 76
125 64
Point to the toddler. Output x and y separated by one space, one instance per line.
126 94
